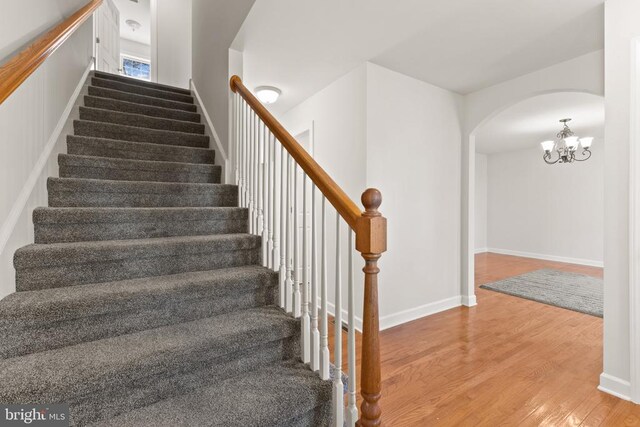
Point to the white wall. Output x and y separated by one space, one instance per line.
171 30
365 124
621 26
215 25
29 119
481 203
23 21
413 157
339 117
135 49
546 211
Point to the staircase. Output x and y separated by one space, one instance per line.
143 301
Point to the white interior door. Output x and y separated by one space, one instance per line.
108 38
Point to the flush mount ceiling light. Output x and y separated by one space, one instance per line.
268 94
133 24
566 146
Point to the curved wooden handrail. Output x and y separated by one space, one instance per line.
334 194
24 63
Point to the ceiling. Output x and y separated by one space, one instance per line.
528 123
141 12
460 45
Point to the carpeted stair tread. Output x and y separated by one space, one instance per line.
75 166
147 110
103 147
137 134
82 192
139 120
140 90
60 225
143 83
52 318
140 99
94 367
276 395
42 266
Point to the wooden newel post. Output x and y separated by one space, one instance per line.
371 242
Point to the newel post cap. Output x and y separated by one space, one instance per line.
371 227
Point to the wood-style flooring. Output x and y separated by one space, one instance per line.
506 362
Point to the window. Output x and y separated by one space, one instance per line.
136 67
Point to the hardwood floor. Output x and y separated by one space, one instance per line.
506 362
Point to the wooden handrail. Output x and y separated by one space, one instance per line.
24 63
370 228
334 194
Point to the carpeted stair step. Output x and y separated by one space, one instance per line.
143 83
139 120
56 265
81 192
283 394
147 110
52 318
140 99
115 375
102 147
140 90
74 166
63 225
137 134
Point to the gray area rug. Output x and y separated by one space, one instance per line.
572 291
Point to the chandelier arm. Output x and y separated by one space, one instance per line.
547 158
585 152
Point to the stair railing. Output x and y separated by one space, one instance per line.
275 175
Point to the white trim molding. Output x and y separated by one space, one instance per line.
615 386
221 155
404 316
481 250
331 309
634 226
7 228
568 260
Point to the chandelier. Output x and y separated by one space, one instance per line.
565 148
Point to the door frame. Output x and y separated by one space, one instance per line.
154 40
634 224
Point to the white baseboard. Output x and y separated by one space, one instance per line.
7 228
210 130
405 316
481 250
469 300
544 257
615 386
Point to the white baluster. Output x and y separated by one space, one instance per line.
263 195
290 283
315 334
283 234
242 153
250 187
296 246
256 176
274 207
269 202
338 386
352 409
305 321
324 322
245 159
